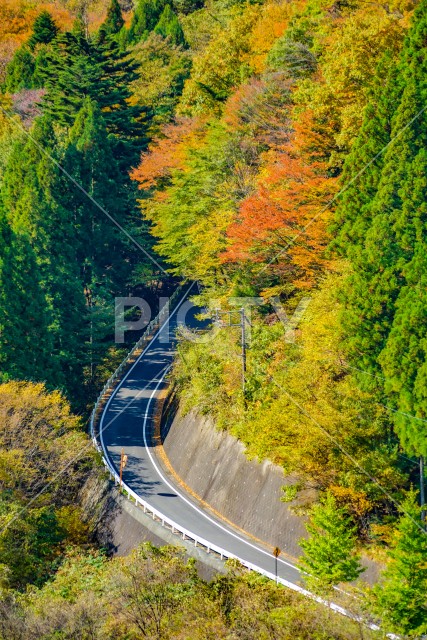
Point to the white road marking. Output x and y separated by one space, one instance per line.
193 506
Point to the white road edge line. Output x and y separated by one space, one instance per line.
200 511
205 515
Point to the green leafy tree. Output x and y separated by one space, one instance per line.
38 437
163 69
187 6
222 65
400 597
29 541
152 585
291 53
197 207
329 553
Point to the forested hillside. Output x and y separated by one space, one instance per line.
294 174
270 150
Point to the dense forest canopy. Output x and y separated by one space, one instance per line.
265 149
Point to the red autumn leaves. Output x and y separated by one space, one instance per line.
282 225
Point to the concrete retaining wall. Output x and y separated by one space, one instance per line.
213 464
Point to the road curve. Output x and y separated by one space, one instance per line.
127 422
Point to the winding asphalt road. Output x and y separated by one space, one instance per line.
127 422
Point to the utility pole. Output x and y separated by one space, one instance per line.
243 339
229 322
88 296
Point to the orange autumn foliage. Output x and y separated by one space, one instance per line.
315 134
16 22
283 224
167 153
271 24
17 18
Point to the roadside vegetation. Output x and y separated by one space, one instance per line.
156 594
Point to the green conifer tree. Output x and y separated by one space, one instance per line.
384 229
23 71
80 28
101 246
114 21
77 69
364 337
30 199
25 341
363 166
20 70
329 553
169 26
400 597
404 356
44 30
145 18
89 159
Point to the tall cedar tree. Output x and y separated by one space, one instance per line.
23 71
145 18
404 358
386 313
20 71
168 26
78 69
114 21
360 179
31 196
100 246
400 597
25 341
80 259
44 30
329 553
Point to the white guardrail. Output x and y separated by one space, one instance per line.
165 521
